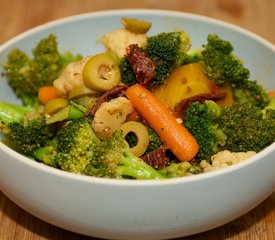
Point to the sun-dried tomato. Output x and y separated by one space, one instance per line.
157 158
143 67
117 91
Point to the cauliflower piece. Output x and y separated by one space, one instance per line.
118 40
110 116
224 159
71 76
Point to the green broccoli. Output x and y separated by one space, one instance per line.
238 128
26 75
166 50
202 120
127 73
180 169
252 92
224 68
13 113
17 72
244 123
68 147
113 158
23 129
46 154
155 141
221 65
248 128
74 145
45 66
169 46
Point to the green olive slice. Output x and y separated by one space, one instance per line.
82 91
59 116
135 25
101 72
55 105
141 133
87 102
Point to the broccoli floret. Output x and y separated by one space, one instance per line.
202 120
47 154
29 135
17 71
28 132
163 70
224 68
252 92
221 65
26 75
166 50
75 143
248 127
23 129
241 127
169 46
180 169
127 74
155 141
113 159
45 66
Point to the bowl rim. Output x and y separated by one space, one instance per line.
127 182
138 11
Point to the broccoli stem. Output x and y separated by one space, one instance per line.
75 111
11 112
46 155
131 166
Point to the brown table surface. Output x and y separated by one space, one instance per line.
17 16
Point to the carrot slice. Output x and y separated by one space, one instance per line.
162 120
47 93
133 116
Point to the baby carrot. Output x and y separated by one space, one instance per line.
174 134
271 94
47 93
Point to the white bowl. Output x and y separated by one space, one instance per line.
128 209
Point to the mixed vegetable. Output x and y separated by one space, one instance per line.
149 107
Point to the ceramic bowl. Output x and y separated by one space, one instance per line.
129 209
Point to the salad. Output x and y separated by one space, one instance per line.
149 107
